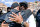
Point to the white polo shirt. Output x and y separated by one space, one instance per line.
31 21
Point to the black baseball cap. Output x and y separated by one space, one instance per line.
14 5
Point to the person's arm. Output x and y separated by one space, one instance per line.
31 21
26 24
18 19
4 25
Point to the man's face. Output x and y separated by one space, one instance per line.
17 8
9 10
22 8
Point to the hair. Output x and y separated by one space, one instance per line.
8 8
38 12
24 4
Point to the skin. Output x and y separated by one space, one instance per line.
4 25
26 24
18 19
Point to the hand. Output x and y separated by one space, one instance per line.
4 25
17 18
26 24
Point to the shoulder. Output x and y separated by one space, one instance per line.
31 18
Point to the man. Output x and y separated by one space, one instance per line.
38 18
3 16
31 19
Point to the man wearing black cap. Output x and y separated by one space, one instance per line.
15 6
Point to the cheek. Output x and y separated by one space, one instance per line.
17 8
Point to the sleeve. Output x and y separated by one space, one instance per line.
37 19
31 21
